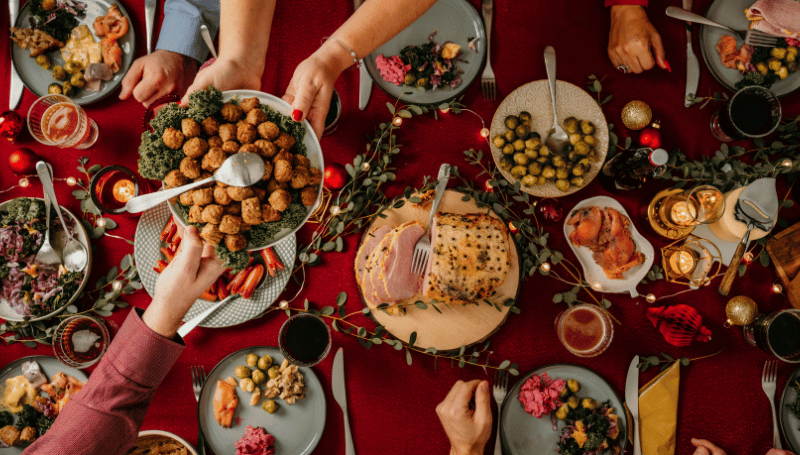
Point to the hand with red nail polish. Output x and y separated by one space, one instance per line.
634 45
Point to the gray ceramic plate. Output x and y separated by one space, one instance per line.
147 251
37 79
453 20
521 431
790 425
50 366
58 239
297 428
731 13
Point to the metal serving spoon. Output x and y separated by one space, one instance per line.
558 139
240 169
47 254
74 253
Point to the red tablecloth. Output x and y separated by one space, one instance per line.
392 404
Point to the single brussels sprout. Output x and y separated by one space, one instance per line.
774 64
251 360
783 73
409 79
67 89
531 153
559 162
77 80
43 61
58 73
762 68
529 180
573 386
573 156
533 143
247 384
578 170
571 125
535 168
270 406
574 138
259 377
562 173
589 403
577 181
519 145
542 180
508 149
561 413
778 52
499 141
525 118
543 159
572 402
587 127
791 50
242 372
790 58
792 66
506 163
274 372
562 185
422 82
520 158
534 135
544 151
264 362
54 88
522 132
510 136
518 171
73 67
585 163
582 148
564 393
548 172
591 141
512 122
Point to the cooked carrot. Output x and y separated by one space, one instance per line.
176 240
208 295
222 290
168 229
160 266
270 256
249 286
168 253
238 279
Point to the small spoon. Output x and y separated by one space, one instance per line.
207 38
74 253
197 320
46 254
558 139
240 169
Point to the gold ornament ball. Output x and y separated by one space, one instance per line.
741 310
636 115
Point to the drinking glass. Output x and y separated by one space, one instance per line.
777 334
585 330
750 113
80 341
57 120
304 339
703 204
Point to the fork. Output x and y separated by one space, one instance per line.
749 36
422 249
768 379
499 391
46 253
198 379
487 78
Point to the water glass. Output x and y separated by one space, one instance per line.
57 120
777 334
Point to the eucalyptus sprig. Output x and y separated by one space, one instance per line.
595 86
666 360
716 97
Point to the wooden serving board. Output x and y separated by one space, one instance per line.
457 325
782 249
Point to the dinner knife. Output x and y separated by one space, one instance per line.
364 81
15 94
692 65
632 400
149 22
340 395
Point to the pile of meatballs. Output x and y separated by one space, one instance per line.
228 211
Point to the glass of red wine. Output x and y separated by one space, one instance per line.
305 339
80 341
751 112
777 334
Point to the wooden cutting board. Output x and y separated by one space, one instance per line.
783 249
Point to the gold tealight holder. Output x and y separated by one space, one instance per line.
690 261
674 213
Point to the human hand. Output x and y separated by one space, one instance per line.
468 430
158 74
226 74
193 270
705 447
631 38
779 452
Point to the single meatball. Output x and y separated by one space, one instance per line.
172 138
175 178
267 170
256 117
213 159
231 112
316 176
269 131
230 224
285 141
210 126
300 160
269 214
214 141
222 185
266 148
213 214
28 434
248 104
246 133
283 171
234 208
186 198
227 132
261 193
195 147
249 148
230 147
190 128
203 196
221 196
280 200
284 155
308 196
211 234
251 210
196 214
10 434
300 177
235 242
273 185
238 193
190 168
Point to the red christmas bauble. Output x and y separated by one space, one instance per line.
335 176
487 186
22 161
10 125
549 211
651 136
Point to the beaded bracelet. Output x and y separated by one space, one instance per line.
352 53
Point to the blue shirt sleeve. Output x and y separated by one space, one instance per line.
180 30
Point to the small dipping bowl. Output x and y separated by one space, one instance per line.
112 186
73 352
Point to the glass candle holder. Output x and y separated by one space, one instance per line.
704 204
80 341
113 186
304 339
690 261
585 330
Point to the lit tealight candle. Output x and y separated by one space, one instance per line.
683 261
123 190
683 213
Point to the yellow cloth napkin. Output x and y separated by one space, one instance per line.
658 412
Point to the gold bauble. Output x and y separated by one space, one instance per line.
741 310
636 115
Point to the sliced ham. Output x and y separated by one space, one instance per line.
372 240
374 262
612 245
398 280
776 17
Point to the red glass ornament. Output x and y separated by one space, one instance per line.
335 176
22 161
651 136
680 324
511 228
10 125
549 210
487 186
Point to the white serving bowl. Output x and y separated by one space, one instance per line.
169 435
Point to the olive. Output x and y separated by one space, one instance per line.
522 132
247 384
582 148
525 118
533 143
521 158
559 162
562 173
512 122
561 413
58 73
531 153
259 377
535 168
562 185
251 360
587 127
508 149
571 125
574 137
519 145
529 180
274 372
574 386
590 140
270 406
518 171
544 151
589 403
422 82
242 372
72 67
577 181
409 79
510 136
77 80
506 163
68 89
54 88
499 141
43 61
264 362
548 172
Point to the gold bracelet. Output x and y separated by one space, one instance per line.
352 53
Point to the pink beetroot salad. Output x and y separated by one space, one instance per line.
256 441
539 396
392 68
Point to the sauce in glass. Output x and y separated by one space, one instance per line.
584 330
